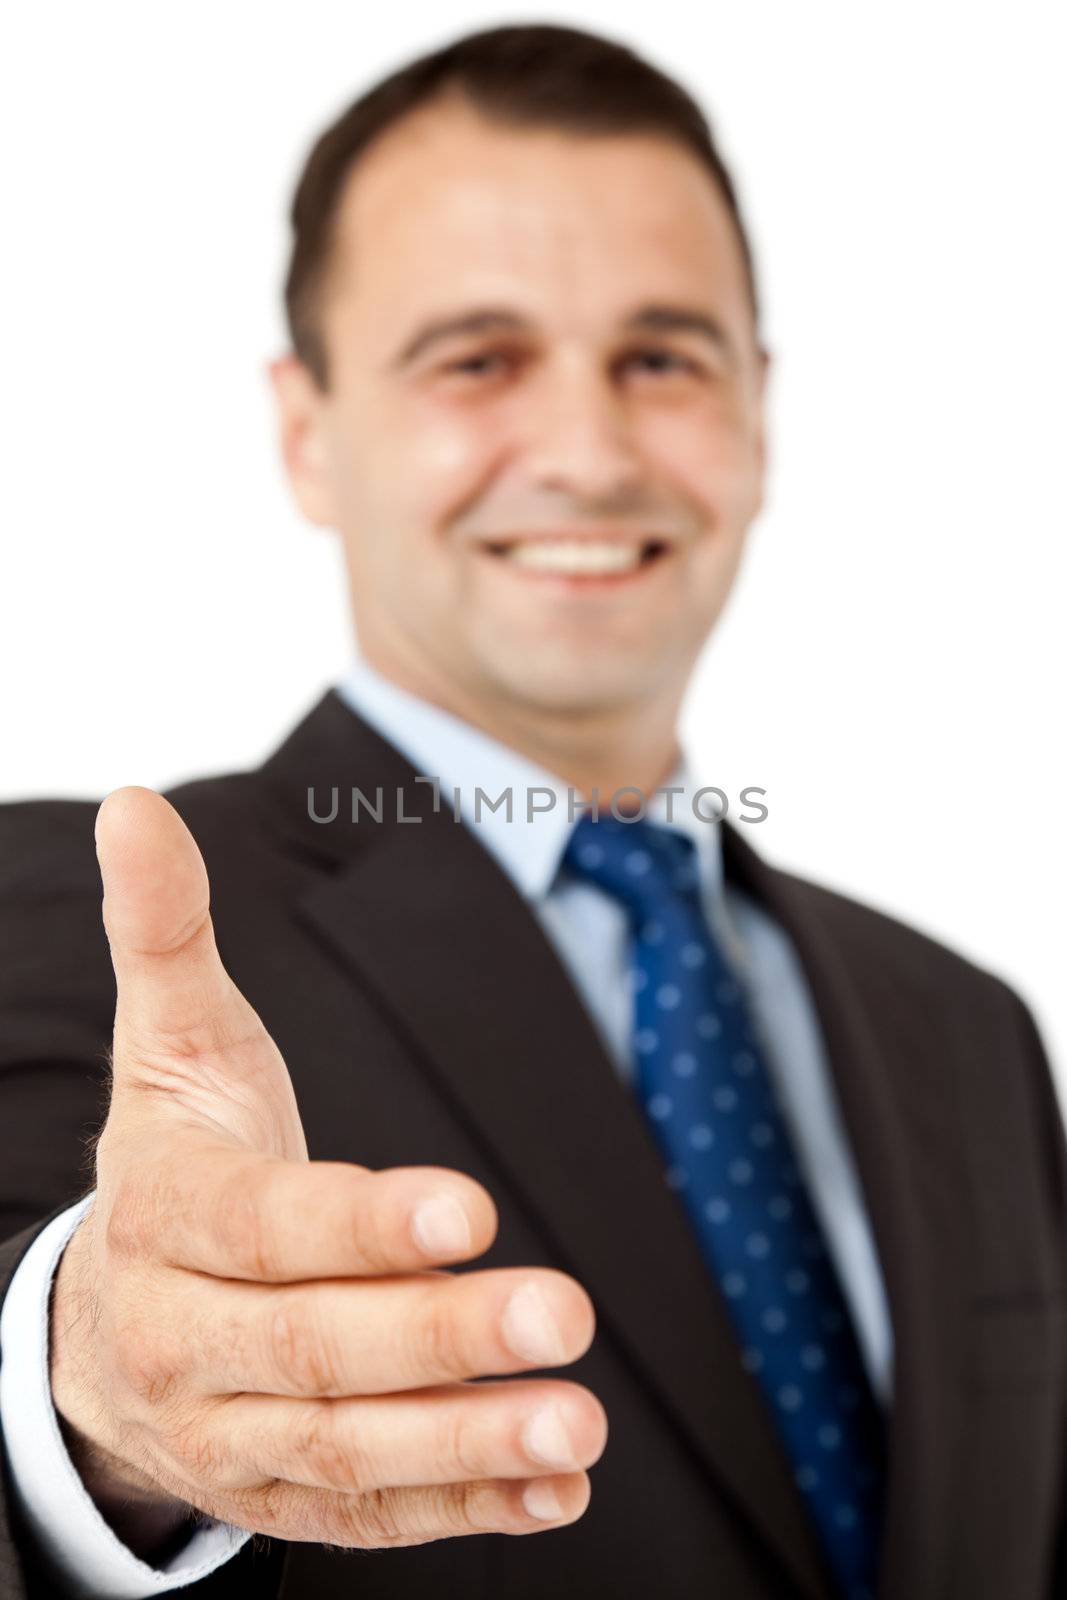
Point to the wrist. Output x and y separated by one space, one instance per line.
147 1520
125 1496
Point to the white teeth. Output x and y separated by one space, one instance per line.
562 555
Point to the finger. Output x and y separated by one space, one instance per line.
234 1215
379 1335
174 994
448 1434
392 1518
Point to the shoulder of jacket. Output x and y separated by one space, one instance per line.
881 941
48 847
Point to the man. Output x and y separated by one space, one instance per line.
802 1164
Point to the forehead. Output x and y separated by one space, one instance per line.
574 226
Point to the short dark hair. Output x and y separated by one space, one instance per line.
520 76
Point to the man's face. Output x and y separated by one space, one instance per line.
542 439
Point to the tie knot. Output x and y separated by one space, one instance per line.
641 863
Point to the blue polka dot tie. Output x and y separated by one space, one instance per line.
701 1080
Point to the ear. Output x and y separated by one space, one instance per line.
300 407
762 376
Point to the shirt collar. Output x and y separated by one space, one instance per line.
474 768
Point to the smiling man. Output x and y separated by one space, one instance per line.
543 452
426 1100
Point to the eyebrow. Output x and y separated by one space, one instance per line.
655 317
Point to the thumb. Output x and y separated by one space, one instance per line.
156 898
181 1024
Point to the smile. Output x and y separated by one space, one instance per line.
578 558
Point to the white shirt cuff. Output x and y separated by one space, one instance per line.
70 1532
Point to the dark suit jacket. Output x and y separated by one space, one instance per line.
425 1018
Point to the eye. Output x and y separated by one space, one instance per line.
661 360
476 366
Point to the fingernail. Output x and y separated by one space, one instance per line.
545 1439
542 1501
530 1329
440 1226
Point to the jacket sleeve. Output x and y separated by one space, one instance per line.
1051 1112
56 1015
57 1008
1058 1166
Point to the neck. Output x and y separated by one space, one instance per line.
633 746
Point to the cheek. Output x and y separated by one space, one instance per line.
403 466
712 461
439 460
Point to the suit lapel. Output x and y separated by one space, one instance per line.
899 1103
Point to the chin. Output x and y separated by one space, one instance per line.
570 685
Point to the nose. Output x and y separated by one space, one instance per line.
579 436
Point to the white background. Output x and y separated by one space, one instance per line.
891 667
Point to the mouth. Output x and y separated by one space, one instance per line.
582 560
